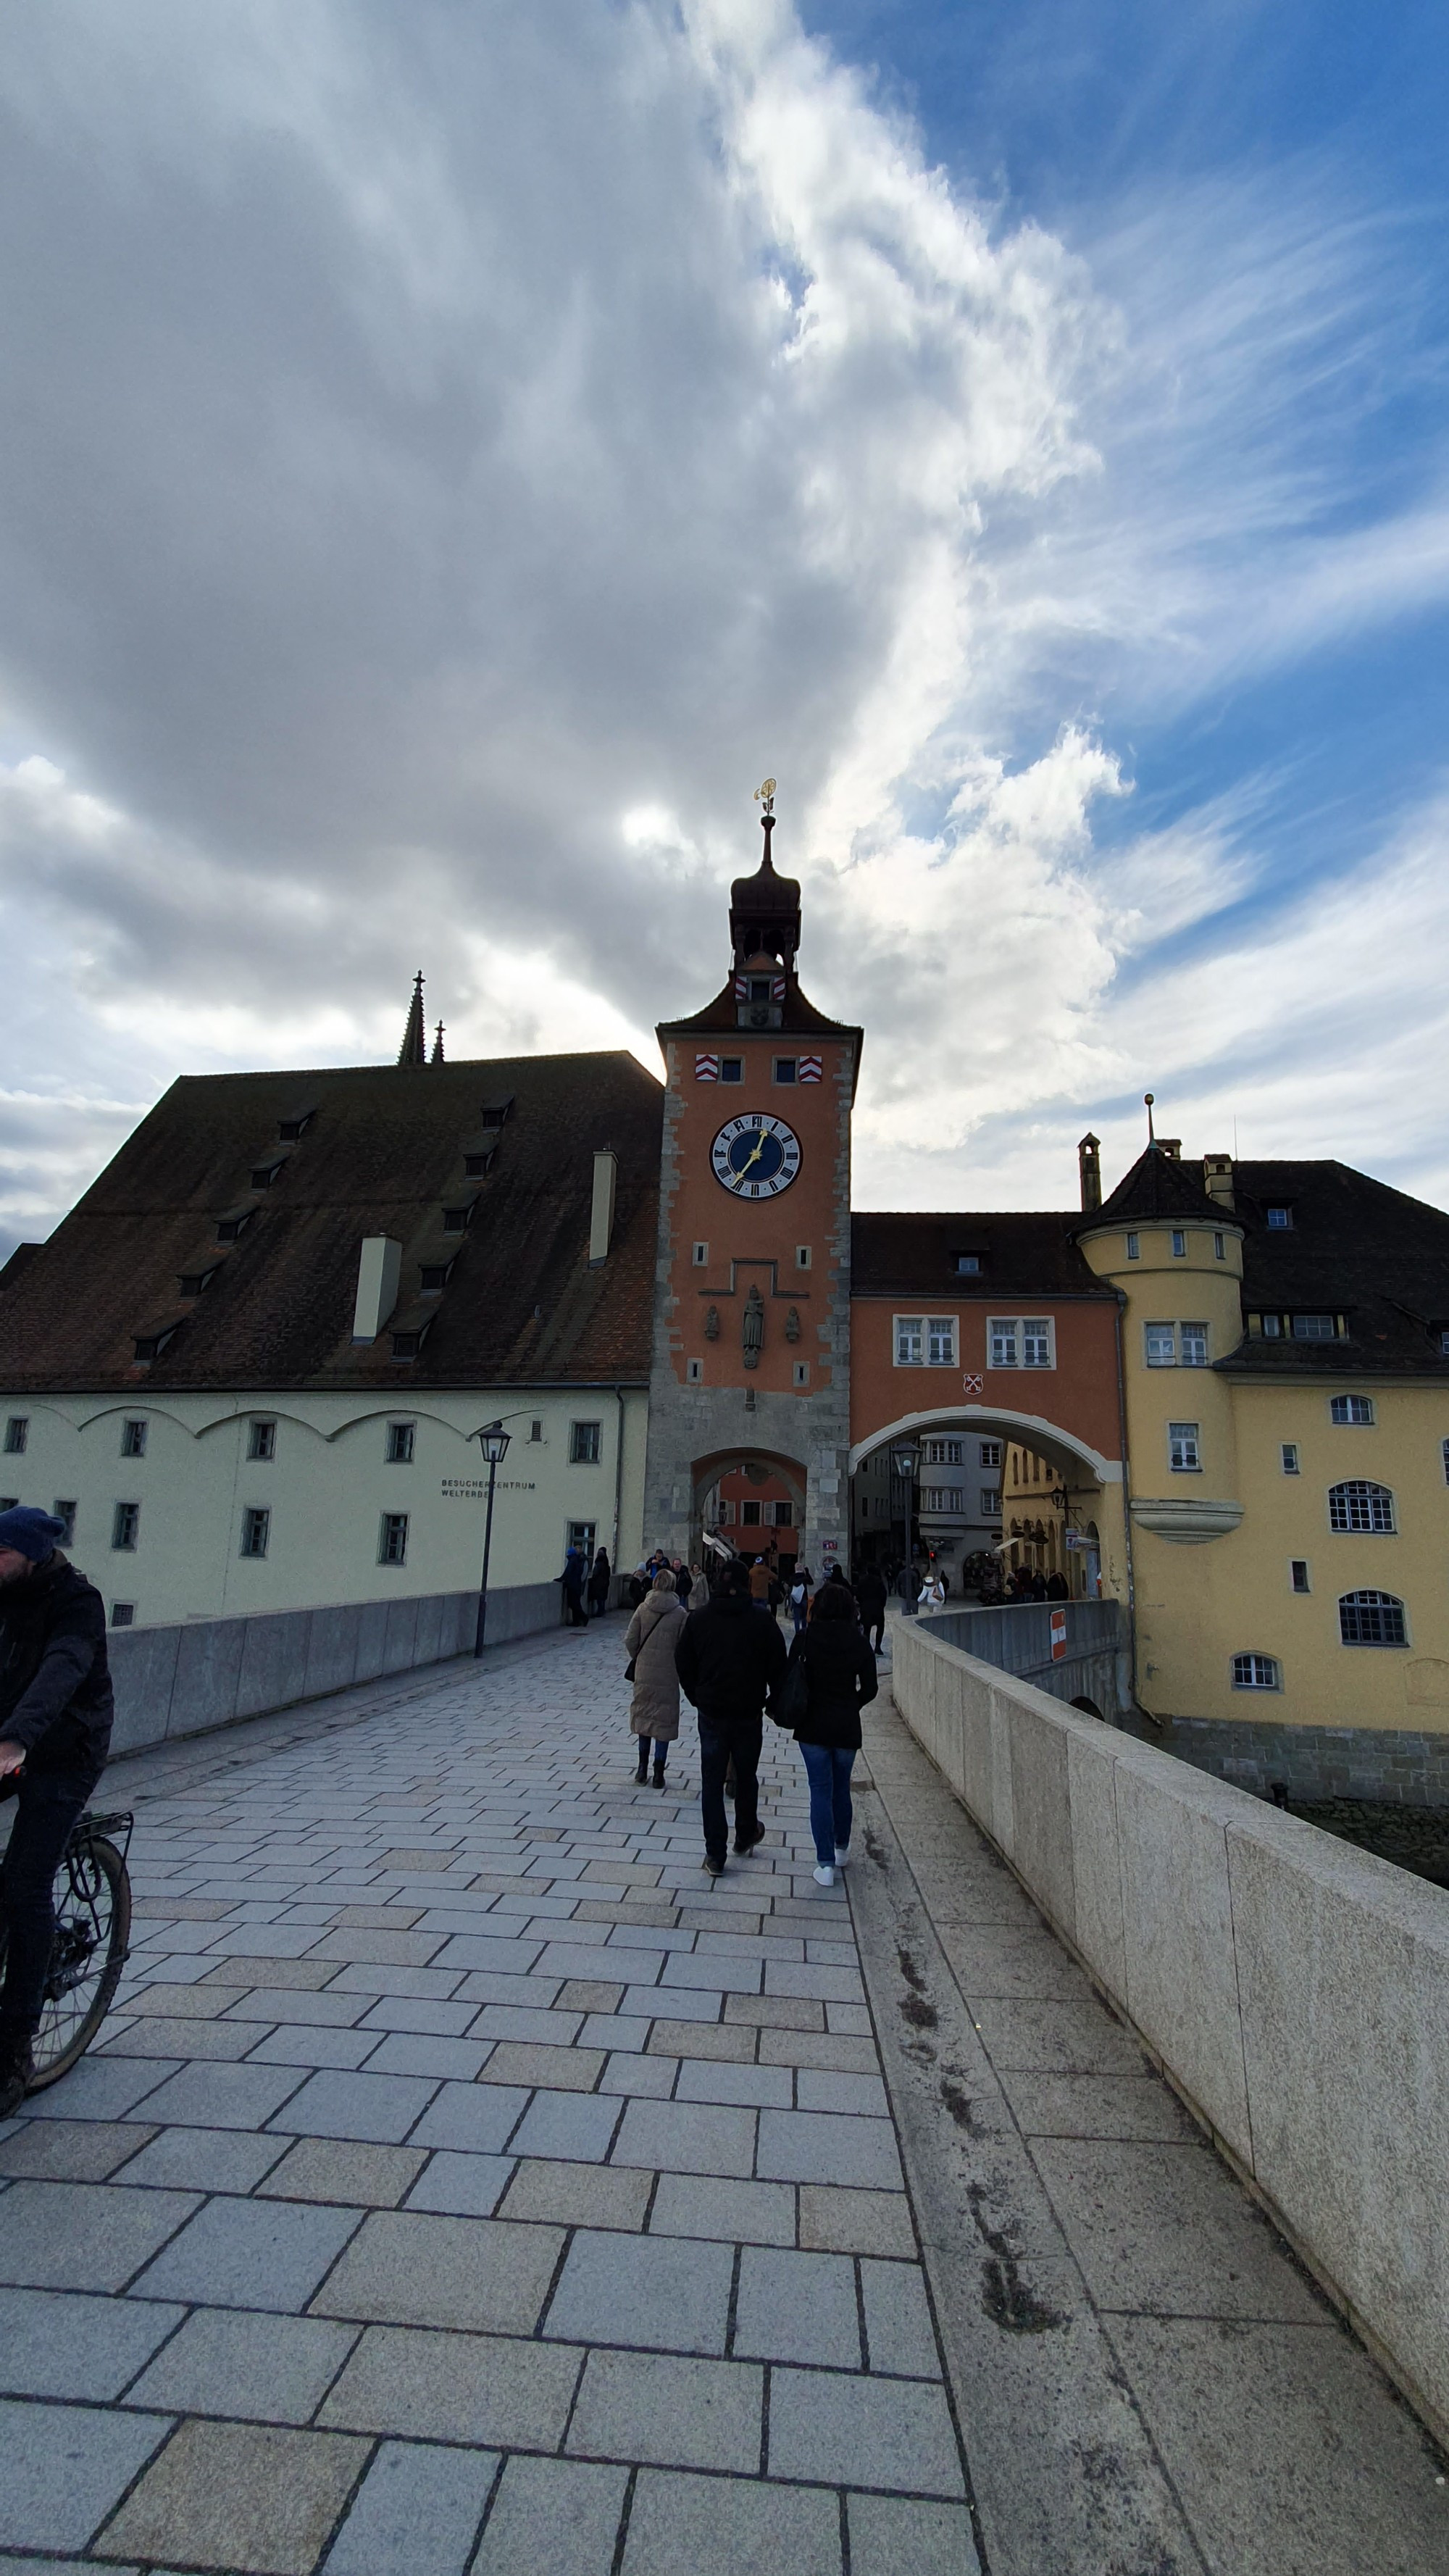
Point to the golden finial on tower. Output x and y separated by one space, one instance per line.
766 796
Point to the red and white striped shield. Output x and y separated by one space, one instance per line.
706 1068
809 1068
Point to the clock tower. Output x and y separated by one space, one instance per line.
749 1396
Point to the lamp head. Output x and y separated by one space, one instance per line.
494 1443
904 1461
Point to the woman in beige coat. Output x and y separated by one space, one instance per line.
650 1640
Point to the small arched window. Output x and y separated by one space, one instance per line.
1360 1506
1257 1672
1372 1619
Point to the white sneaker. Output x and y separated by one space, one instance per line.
841 1857
825 1877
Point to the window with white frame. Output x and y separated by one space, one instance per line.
1134 1247
261 1440
1371 1618
940 1341
991 1502
1351 1412
125 1526
1280 1219
392 1539
1036 1342
910 1335
586 1443
784 1515
990 1453
256 1528
1314 1328
123 1614
1184 1455
1257 1672
133 1439
1179 1244
17 1435
701 1256
694 1372
1299 1579
400 1440
1003 1330
941 1453
1194 1345
1288 1452
941 1498
1160 1343
1361 1508
1220 1247
1017 1341
750 1510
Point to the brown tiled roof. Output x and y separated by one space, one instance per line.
1024 1253
799 1018
382 1155
1158 1185
1355 1248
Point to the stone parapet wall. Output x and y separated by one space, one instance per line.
1401 1765
207 1673
1295 1990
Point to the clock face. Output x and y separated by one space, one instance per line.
756 1157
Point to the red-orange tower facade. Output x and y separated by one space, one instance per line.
751 1361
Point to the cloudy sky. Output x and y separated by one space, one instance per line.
454 449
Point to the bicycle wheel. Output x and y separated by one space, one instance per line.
92 1933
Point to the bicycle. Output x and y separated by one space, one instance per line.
92 1898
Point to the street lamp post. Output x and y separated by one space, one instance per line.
494 1444
904 1462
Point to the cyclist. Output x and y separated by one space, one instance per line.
55 1717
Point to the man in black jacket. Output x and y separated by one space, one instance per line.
729 1657
870 1596
55 1717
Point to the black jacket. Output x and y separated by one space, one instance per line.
729 1657
55 1682
870 1592
842 1676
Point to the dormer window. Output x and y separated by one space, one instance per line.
456 1220
406 1346
149 1346
266 1173
231 1227
476 1165
289 1129
496 1112
1280 1219
434 1277
969 1265
194 1283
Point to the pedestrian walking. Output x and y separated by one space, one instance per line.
800 1601
55 1719
649 1641
840 1676
932 1595
729 1659
870 1599
572 1579
699 1588
760 1582
600 1577
683 1579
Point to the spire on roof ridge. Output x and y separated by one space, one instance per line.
437 1054
414 1048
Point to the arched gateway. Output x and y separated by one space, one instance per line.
794 1344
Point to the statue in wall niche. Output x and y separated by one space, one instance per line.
711 1323
792 1324
752 1328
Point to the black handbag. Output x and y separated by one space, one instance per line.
630 1667
791 1703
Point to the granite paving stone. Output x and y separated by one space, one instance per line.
238 2497
679 2413
664 2293
568 2125
552 2518
219 2042
899 2333
888 2433
225 2097
476 2118
416 2513
700 2080
103 2088
56 2343
898 2536
344 2169
409 2267
84 2236
249 2254
461 2186
234 2362
65 2468
822 2146
456 2388
380 2107
710 2205
718 2530
797 2307
291 2046
570 2195
517 2061
856 2222
203 2159
688 2137
70 2150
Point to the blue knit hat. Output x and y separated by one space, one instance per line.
30 1531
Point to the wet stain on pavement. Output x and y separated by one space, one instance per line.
1005 2296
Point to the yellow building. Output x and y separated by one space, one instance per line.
1285 1341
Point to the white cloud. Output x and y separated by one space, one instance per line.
461 452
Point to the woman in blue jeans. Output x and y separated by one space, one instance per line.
840 1676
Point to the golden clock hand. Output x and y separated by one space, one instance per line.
753 1158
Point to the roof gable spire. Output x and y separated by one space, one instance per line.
414 1048
437 1054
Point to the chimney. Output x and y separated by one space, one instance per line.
1217 1175
1171 1146
379 1265
601 1214
1089 1165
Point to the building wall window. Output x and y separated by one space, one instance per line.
535 1430
750 1512
700 1256
942 1498
256 1528
941 1341
126 1526
1194 1345
990 1453
1021 1341
785 1068
123 1614
802 1256
1134 1247
802 1373
732 1068
1314 1328
991 1502
66 1512
941 1453
1355 1412
1444 1453
1220 1247
581 1534
784 1516
586 1443
1279 1219
1257 1672
910 1337
1160 1344
1289 1454
1372 1619
1298 1577
17 1435
1179 1244
400 1437
133 1439
392 1543
1362 1508
262 1440
1183 1452
694 1372
967 1264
